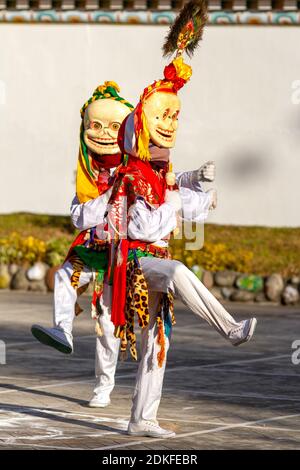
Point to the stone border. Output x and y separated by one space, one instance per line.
279 18
224 285
240 287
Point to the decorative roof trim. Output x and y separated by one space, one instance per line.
147 17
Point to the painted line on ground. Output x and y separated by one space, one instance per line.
249 372
190 391
198 433
53 385
174 369
221 426
16 378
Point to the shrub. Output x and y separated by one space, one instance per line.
17 249
214 257
28 250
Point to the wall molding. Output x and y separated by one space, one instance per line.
291 18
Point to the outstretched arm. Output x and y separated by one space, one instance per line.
193 179
91 213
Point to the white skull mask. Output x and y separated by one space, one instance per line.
161 110
102 121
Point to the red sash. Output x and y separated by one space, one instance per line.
158 186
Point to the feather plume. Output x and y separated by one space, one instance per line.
187 30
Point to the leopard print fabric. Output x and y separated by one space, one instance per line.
78 266
137 303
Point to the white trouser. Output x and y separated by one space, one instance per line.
149 379
161 275
107 350
107 346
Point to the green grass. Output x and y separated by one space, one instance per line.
274 249
41 226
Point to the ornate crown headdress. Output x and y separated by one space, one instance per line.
184 35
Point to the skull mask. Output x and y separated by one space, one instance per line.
102 121
161 110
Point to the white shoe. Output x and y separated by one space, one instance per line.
149 429
243 333
99 401
57 338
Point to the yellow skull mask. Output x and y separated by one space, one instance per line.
161 111
102 121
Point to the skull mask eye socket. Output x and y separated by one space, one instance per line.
165 115
115 126
95 125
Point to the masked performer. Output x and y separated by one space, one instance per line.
99 160
145 279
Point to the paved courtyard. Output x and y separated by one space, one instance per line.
215 396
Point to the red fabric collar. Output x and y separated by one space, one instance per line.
106 161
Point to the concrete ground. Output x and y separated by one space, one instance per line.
215 396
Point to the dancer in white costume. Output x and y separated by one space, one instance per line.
141 268
160 222
102 116
99 158
150 226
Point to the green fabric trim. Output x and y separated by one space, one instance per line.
107 91
97 260
113 92
139 254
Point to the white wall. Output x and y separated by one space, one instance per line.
236 110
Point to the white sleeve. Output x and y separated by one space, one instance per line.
91 213
148 224
186 179
195 204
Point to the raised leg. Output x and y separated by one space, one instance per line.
170 274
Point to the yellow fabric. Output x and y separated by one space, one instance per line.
183 70
143 140
86 188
